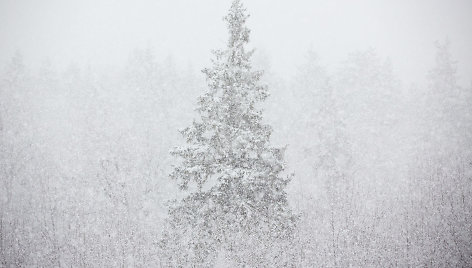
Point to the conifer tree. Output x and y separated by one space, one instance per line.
326 151
441 180
446 106
235 209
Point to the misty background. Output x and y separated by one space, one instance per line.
103 33
93 94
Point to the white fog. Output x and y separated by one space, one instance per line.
235 133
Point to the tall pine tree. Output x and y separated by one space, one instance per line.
235 208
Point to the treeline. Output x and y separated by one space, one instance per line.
383 172
84 161
384 168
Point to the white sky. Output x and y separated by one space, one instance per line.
105 32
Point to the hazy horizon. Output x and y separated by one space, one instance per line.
104 33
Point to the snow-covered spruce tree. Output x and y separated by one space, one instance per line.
326 225
235 211
440 227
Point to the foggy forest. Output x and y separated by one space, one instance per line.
223 153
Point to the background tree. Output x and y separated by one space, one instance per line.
326 164
440 183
